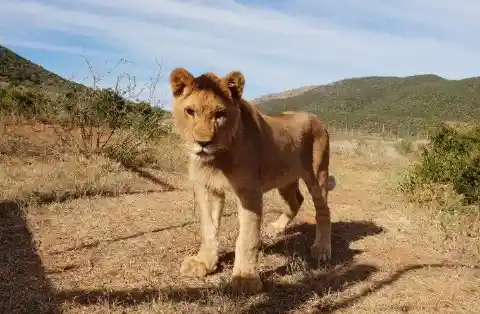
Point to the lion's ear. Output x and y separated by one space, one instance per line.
180 79
235 82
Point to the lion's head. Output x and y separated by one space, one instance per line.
206 110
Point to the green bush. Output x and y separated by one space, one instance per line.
22 103
107 122
89 119
451 158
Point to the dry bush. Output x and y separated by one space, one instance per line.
91 120
169 154
404 146
112 121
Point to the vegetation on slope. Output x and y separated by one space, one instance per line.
16 71
109 122
403 105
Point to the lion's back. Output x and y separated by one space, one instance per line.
294 124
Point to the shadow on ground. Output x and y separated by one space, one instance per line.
278 297
150 177
296 242
47 198
336 276
24 287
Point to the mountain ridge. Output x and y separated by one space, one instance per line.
371 103
18 71
402 104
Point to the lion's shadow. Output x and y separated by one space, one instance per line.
296 241
335 276
280 297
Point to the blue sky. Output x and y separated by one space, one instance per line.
278 44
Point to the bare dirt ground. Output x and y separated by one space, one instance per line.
116 246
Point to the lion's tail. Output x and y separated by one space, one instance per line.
331 182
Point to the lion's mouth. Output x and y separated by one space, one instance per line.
202 153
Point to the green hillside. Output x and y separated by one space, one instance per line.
402 105
28 89
16 71
108 123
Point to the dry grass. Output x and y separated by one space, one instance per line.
36 169
119 252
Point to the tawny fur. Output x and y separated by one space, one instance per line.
233 147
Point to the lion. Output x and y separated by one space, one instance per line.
233 147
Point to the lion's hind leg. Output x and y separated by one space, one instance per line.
293 197
319 183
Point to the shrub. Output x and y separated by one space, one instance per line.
21 103
93 120
107 122
404 146
451 158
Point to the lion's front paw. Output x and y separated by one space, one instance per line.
192 266
246 284
322 252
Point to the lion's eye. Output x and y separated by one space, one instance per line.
190 111
221 114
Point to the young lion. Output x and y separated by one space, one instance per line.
233 147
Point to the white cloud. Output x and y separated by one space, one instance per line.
300 42
51 47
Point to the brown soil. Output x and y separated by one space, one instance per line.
117 248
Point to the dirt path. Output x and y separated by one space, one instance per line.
122 255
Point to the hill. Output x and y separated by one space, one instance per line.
16 71
401 104
27 88
288 93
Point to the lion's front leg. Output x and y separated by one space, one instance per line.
211 205
245 277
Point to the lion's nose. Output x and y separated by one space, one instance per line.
203 143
